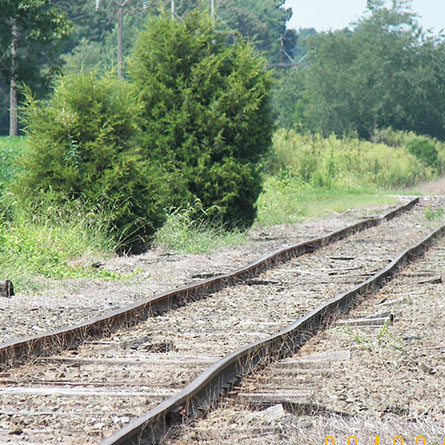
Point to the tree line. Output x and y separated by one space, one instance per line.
383 71
40 38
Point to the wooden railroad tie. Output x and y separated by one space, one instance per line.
6 289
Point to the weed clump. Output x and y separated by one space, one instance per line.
183 232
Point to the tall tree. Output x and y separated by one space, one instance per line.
29 29
262 21
387 72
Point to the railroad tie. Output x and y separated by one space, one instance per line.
6 289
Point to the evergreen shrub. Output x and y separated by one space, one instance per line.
82 145
425 151
206 116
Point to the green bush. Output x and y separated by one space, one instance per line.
82 146
206 114
424 150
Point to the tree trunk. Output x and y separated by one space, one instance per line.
13 83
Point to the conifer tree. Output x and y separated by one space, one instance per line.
206 115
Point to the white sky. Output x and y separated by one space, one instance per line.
324 15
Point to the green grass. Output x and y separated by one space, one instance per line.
284 200
55 242
182 234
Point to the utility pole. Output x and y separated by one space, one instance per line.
120 23
173 9
212 9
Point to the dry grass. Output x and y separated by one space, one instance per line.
232 423
436 187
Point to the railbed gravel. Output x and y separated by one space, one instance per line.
67 302
391 383
123 376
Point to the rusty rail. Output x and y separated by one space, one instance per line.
18 351
218 378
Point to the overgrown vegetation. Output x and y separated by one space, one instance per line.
51 239
433 215
307 177
313 176
191 126
183 232
350 163
82 145
54 242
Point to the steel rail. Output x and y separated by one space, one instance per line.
196 397
17 351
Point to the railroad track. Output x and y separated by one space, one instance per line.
86 393
378 371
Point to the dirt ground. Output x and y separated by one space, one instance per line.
431 188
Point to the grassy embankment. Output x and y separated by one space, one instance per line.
46 241
311 176
306 177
